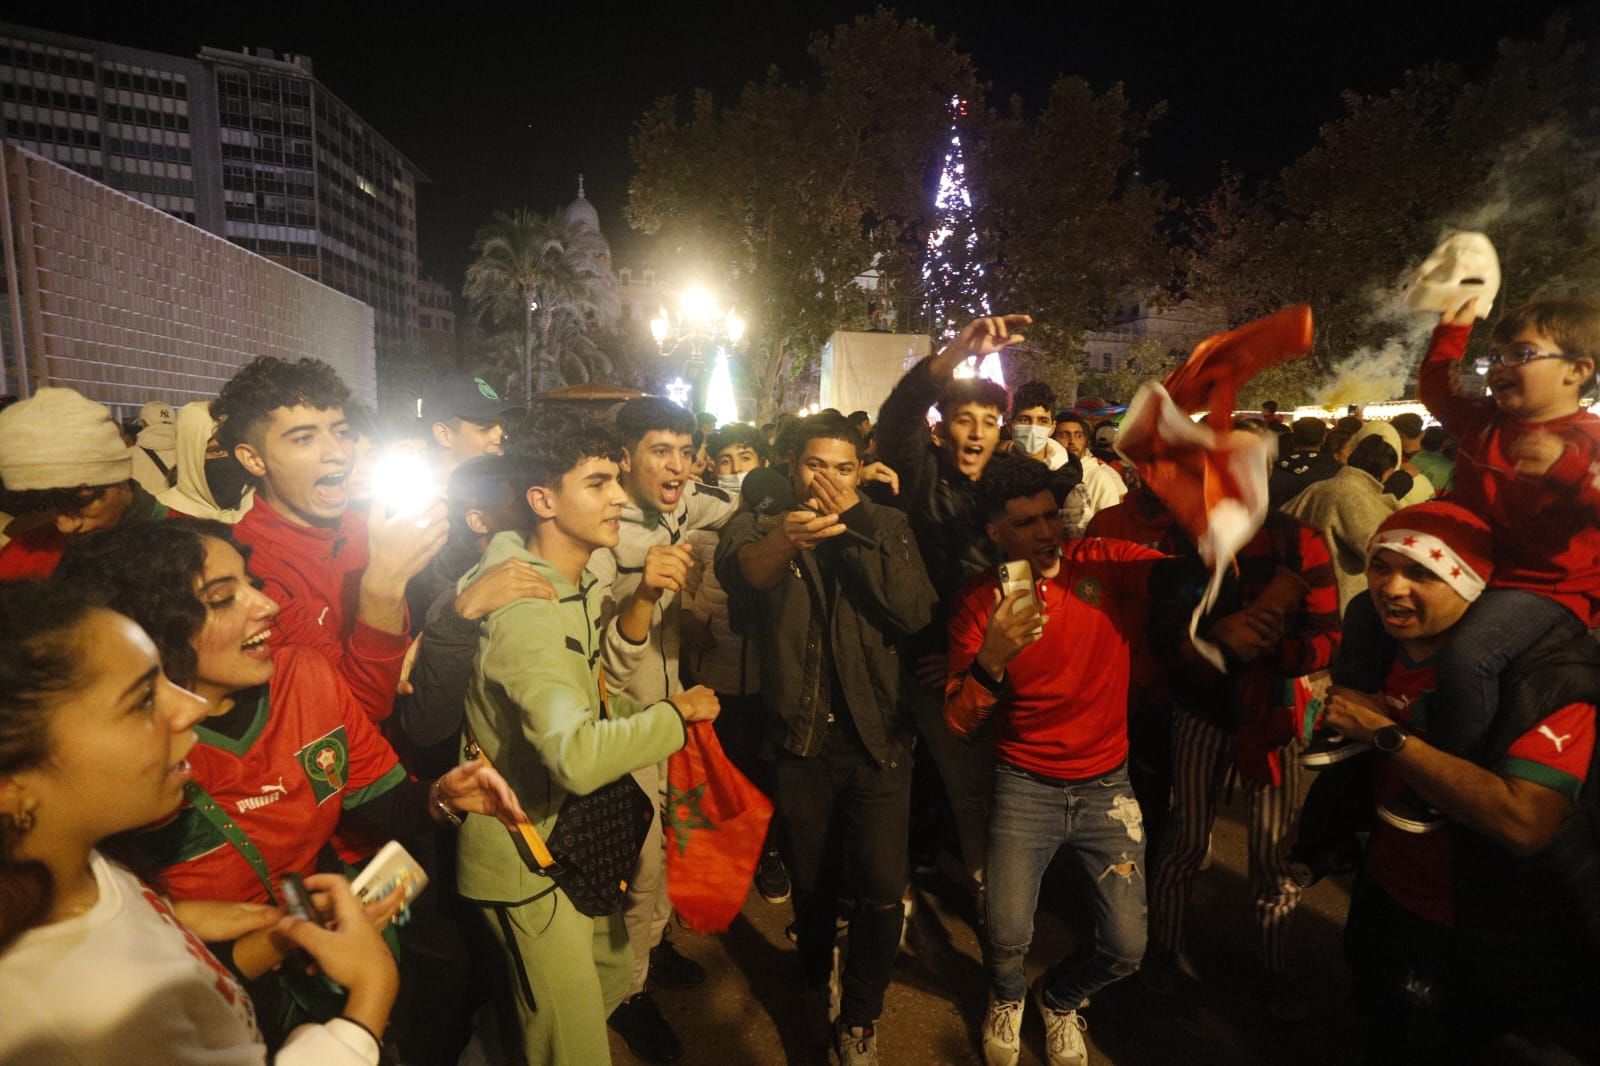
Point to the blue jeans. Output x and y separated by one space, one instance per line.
1034 818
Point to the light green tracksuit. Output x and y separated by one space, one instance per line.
534 706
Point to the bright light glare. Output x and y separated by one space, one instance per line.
403 482
719 396
678 392
735 327
699 306
659 327
989 370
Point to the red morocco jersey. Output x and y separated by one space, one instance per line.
309 754
1064 709
1413 868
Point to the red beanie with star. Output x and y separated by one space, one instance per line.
1449 540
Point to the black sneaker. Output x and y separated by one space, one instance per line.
670 967
772 880
640 1024
1408 812
1330 748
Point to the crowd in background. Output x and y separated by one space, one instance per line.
264 635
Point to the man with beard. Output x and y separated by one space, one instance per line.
830 609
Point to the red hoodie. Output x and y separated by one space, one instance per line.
1547 529
314 574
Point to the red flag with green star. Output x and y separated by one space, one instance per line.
715 822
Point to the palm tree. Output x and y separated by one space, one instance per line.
552 282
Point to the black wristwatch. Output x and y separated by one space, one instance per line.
1390 739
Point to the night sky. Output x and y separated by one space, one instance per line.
503 106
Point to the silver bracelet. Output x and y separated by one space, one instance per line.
436 801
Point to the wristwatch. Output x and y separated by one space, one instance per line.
1390 739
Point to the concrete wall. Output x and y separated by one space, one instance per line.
127 304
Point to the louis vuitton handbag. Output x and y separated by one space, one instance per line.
594 848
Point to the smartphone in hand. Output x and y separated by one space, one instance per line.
1017 576
391 870
296 899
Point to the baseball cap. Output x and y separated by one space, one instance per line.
156 413
461 396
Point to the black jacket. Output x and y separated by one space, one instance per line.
940 501
876 597
1295 471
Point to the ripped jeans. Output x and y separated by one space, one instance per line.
1033 818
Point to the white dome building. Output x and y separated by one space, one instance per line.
581 212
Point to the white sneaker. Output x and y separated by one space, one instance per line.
1063 1032
1002 1032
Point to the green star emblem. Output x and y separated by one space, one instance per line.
684 815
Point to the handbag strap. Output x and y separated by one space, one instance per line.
201 800
525 828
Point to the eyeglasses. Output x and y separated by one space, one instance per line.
1517 354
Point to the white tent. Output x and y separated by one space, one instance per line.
859 369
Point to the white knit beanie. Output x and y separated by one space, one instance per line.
57 439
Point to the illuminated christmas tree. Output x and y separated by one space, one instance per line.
952 274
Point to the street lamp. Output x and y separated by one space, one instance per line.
700 321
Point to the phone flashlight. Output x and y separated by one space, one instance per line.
403 482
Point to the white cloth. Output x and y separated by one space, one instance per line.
126 984
192 494
1104 486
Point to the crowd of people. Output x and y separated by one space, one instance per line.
247 642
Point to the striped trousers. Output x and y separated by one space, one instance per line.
1201 757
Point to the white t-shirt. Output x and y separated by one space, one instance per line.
126 984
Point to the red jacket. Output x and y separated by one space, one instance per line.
314 574
1546 530
35 554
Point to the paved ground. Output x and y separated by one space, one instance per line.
748 1012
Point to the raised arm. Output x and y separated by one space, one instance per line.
1459 415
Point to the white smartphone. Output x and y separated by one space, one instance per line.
392 869
1017 576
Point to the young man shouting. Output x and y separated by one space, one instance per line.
1491 924
642 577
338 577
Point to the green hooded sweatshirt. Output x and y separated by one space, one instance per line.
534 706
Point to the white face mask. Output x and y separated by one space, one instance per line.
1464 266
730 482
1030 439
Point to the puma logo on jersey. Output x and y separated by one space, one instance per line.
1559 742
269 794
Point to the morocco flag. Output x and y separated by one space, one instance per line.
715 823
1212 477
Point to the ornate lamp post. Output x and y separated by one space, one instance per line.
699 323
